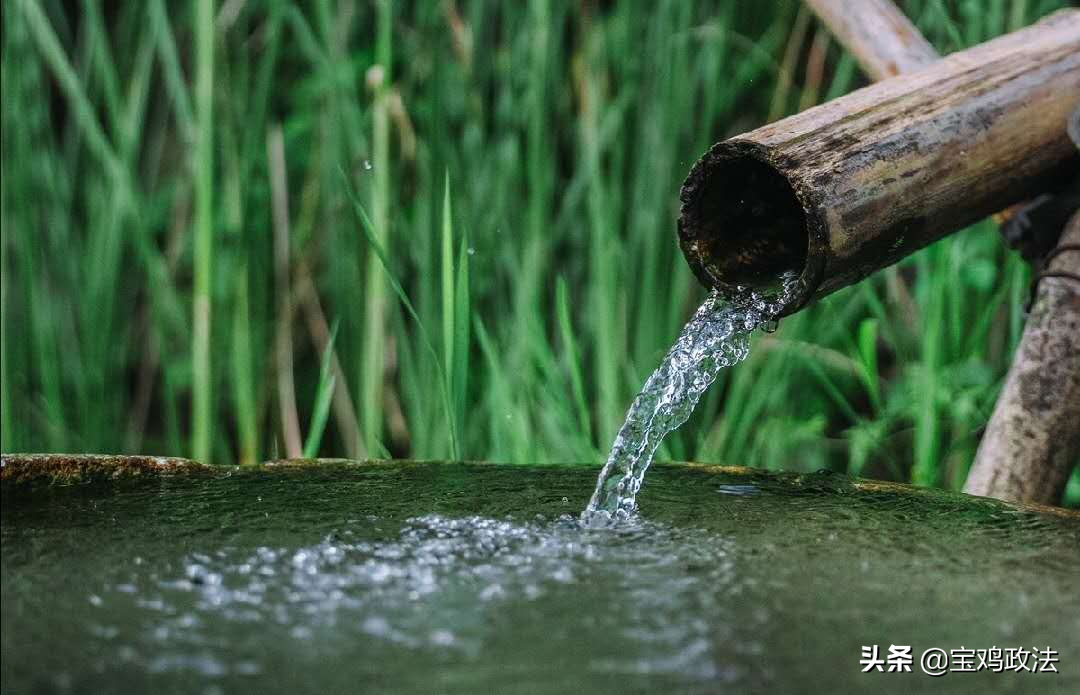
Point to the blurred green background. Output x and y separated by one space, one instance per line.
248 229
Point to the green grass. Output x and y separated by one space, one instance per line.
480 196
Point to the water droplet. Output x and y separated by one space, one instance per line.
471 251
367 165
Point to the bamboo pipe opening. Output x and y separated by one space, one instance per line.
743 225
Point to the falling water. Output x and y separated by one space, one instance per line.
717 336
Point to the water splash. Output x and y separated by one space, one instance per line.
717 336
443 585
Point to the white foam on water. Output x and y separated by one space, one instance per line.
447 586
717 336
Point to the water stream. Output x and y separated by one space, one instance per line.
717 336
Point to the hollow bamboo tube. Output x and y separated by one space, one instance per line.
876 32
846 188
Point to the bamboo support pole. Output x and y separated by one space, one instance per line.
846 188
1032 441
878 34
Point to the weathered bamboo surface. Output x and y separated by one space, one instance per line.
851 186
876 32
1032 441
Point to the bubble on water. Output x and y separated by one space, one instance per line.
717 336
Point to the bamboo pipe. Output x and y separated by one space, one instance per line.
846 188
884 42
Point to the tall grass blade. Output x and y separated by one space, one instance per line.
367 227
202 406
324 393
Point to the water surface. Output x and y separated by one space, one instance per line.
465 578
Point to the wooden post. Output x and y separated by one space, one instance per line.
1032 442
878 34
